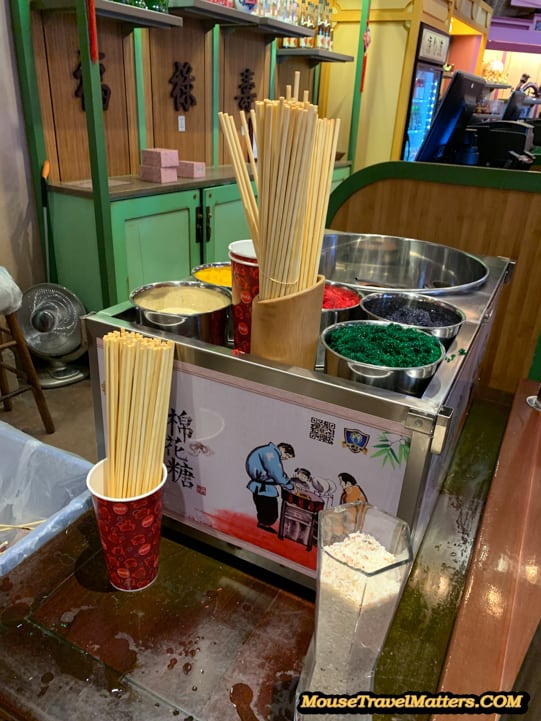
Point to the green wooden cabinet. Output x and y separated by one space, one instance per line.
224 221
154 238
75 257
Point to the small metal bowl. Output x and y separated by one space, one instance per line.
205 266
211 325
411 380
331 316
423 312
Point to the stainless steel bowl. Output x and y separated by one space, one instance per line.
379 262
205 266
212 325
432 315
331 316
411 380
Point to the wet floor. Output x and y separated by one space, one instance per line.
213 640
415 651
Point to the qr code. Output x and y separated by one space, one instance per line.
321 430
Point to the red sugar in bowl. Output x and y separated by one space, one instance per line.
338 297
340 303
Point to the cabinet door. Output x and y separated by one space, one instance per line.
154 239
225 221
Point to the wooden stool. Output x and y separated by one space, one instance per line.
24 368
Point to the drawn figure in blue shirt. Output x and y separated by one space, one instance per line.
264 466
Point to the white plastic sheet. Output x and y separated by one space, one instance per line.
10 293
37 483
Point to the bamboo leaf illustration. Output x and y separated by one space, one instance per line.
391 449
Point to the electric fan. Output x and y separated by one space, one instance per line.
50 320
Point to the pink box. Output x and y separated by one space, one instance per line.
160 157
191 169
158 175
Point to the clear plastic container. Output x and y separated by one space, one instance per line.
41 487
364 558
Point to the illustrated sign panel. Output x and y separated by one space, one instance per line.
253 465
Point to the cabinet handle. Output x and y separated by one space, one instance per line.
199 225
208 224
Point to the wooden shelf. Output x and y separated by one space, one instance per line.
319 55
137 17
279 28
203 9
221 14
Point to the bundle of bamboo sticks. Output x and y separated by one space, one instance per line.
292 178
138 373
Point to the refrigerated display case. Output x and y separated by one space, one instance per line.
425 90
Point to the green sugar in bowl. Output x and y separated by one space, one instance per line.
382 354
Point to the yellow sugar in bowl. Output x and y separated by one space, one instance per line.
187 308
218 274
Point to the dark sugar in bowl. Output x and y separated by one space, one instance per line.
432 315
378 353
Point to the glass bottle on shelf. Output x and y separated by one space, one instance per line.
327 25
331 25
311 21
318 25
161 6
302 21
294 12
364 558
291 16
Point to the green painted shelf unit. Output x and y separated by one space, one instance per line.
104 244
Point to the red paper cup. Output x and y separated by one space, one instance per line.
130 532
245 272
242 250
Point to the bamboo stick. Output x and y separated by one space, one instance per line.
243 179
140 368
249 148
319 222
296 83
294 167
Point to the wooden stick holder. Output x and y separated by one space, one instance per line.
286 329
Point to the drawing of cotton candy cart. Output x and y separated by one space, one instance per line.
298 517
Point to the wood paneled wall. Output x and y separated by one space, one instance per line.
478 220
56 51
286 67
189 44
241 49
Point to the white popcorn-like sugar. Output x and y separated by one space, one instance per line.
354 611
